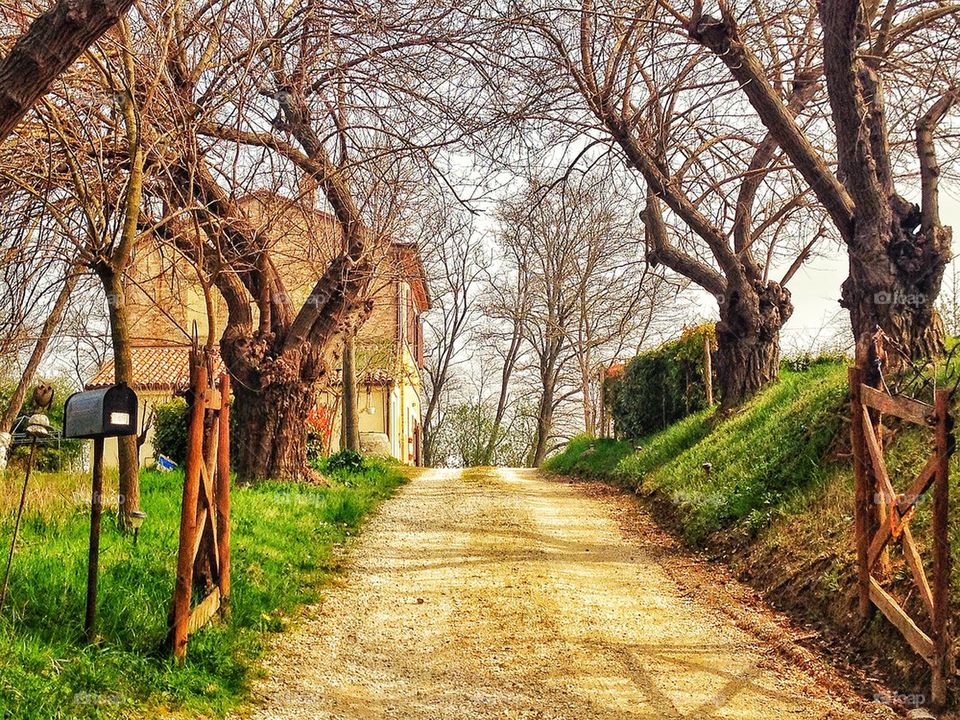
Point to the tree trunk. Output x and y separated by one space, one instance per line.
506 373
129 485
895 277
748 339
269 431
429 445
350 430
544 426
589 421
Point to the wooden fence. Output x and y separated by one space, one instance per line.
883 516
203 561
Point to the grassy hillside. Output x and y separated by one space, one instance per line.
283 541
776 500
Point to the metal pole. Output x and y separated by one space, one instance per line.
16 526
96 509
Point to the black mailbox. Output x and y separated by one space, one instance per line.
109 412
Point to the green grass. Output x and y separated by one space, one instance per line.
759 458
283 537
588 457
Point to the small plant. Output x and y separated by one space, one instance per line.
348 460
170 430
802 362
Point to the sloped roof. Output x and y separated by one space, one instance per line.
411 262
375 376
615 370
167 368
159 367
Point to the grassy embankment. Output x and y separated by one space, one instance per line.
776 502
284 540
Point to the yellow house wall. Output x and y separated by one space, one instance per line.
111 457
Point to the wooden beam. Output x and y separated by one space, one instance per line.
919 486
912 556
207 486
902 407
222 489
905 503
887 514
201 523
862 498
204 610
917 638
183 589
876 458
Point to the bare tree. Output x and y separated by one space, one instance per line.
303 92
871 53
585 286
47 331
90 193
46 48
455 264
721 209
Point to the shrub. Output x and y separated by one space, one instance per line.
170 425
660 387
348 460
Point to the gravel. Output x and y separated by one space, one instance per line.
502 594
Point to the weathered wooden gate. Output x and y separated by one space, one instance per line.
883 516
203 561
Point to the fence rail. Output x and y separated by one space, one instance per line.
883 517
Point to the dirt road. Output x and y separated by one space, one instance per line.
501 594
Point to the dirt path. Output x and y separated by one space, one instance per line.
499 594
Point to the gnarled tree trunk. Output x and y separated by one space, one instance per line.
748 339
269 430
897 251
895 277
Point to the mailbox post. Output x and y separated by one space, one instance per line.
97 415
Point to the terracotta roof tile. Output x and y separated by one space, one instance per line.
616 370
162 367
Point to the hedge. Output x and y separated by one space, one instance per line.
659 387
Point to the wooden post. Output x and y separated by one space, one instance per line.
707 368
188 523
223 488
862 497
941 552
349 424
93 561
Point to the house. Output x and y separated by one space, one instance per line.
389 349
168 304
